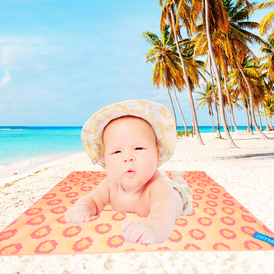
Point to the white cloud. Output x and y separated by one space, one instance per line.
4 81
7 53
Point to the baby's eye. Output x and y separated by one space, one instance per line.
138 148
118 151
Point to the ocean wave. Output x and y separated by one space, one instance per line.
20 164
11 129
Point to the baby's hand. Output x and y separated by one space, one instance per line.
77 214
137 232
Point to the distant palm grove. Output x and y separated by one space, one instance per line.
220 31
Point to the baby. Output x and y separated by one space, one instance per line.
131 150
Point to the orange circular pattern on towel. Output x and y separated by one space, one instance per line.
218 223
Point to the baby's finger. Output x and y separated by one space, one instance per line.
146 239
135 235
127 222
86 218
80 218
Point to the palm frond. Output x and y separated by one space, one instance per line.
151 38
266 23
264 5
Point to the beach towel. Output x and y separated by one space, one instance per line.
218 223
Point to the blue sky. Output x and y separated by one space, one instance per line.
61 61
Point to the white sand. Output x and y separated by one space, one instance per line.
246 173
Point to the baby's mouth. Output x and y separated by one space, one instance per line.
130 171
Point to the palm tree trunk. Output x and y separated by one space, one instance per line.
247 115
266 123
172 107
260 134
215 102
230 108
184 121
229 114
191 102
229 139
212 121
258 110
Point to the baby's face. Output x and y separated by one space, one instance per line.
131 154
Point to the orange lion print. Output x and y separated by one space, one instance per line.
215 190
61 220
54 202
72 231
46 247
41 232
82 244
228 221
72 194
251 245
211 203
66 189
221 247
181 222
248 230
115 241
228 210
197 234
86 188
119 216
80 184
49 196
103 228
10 249
248 219
228 202
59 210
210 211
228 234
175 236
36 220
205 221
33 211
212 196
7 234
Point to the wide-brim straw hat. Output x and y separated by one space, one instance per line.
157 115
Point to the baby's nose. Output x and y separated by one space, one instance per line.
129 159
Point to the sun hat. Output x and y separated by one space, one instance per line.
157 115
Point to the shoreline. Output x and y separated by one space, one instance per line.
246 173
23 167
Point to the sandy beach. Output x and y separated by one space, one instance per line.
247 173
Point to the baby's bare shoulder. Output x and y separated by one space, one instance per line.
160 185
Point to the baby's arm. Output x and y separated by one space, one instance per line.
89 205
163 207
161 219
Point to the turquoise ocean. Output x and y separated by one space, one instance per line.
29 144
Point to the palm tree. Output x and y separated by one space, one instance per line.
268 65
168 13
207 98
269 106
180 109
215 102
216 19
236 43
266 22
250 69
167 70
